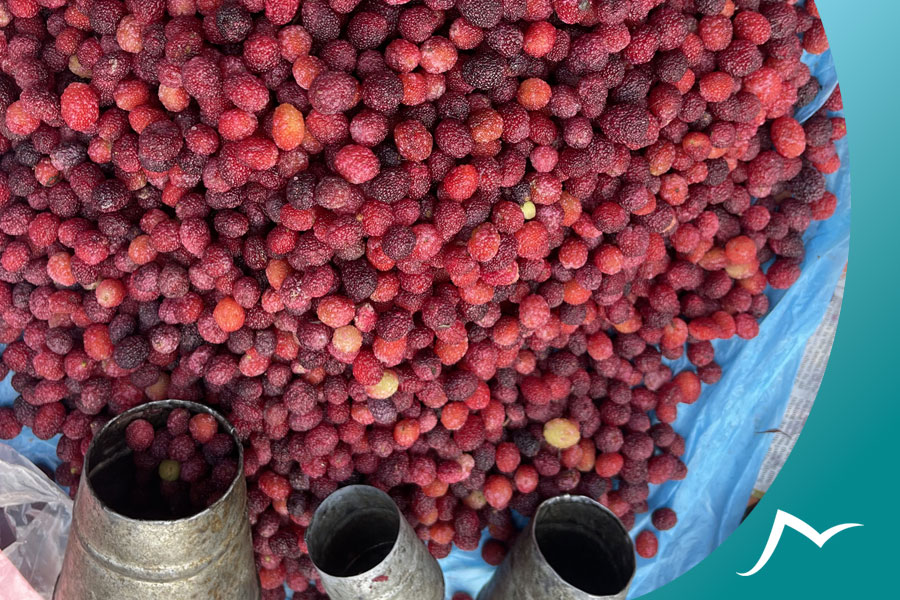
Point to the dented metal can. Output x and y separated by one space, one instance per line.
362 547
573 549
208 555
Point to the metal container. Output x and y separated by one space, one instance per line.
573 549
363 548
208 555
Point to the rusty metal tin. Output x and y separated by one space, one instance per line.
206 556
363 548
573 549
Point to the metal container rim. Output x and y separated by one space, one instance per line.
346 490
585 501
171 404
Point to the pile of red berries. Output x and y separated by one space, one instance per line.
439 246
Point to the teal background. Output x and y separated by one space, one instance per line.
843 467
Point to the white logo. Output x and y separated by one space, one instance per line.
782 520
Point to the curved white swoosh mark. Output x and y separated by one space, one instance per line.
782 520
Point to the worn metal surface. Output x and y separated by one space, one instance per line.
363 548
573 549
206 556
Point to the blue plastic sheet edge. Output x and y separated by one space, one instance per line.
727 422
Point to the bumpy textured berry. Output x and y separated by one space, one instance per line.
139 435
646 544
79 105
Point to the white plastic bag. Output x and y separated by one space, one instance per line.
35 515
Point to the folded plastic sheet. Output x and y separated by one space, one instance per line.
727 422
35 516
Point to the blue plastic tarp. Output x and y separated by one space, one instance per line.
725 428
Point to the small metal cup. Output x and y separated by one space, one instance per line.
573 549
363 547
208 555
